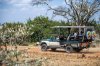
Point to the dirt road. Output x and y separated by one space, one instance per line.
87 57
91 52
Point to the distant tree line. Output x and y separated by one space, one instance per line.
34 30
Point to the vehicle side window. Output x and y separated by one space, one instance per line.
49 40
52 40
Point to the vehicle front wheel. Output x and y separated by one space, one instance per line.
44 47
69 49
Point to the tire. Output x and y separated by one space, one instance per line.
77 50
69 49
44 47
53 49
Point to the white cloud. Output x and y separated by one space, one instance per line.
21 10
18 1
22 5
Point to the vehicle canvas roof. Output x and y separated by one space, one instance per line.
73 27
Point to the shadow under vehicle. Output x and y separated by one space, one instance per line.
74 38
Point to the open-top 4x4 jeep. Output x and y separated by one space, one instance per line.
70 43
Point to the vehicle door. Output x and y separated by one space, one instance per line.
54 42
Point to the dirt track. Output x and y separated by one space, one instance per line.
87 57
91 52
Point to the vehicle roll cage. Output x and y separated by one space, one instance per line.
79 27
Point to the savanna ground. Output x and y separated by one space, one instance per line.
87 57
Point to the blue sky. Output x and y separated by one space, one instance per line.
21 10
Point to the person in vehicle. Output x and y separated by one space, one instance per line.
71 36
61 37
80 35
75 35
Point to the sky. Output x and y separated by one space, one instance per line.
22 10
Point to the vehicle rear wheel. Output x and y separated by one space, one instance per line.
69 49
44 47
53 49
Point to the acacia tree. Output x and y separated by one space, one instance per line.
78 11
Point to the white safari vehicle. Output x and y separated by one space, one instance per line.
72 42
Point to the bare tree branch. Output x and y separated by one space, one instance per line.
80 11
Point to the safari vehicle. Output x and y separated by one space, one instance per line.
71 41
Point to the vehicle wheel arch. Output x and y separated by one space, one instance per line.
43 43
44 47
